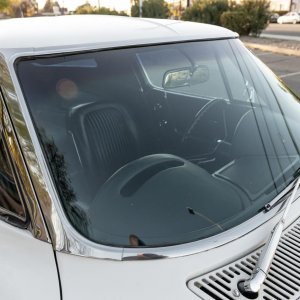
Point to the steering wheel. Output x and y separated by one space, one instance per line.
209 124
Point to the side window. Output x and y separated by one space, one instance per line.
10 202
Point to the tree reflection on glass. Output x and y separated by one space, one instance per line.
58 167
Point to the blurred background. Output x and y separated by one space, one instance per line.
197 10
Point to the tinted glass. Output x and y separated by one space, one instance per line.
162 145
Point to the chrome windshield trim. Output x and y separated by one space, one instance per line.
64 237
217 240
37 226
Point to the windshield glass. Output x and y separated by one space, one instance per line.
162 145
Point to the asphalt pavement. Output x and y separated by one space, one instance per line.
282 31
285 66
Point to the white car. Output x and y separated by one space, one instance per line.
144 159
291 17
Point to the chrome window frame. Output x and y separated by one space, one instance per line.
33 220
5 135
64 237
4 130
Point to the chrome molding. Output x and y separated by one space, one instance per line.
63 236
260 223
37 225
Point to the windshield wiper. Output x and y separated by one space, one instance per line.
251 286
267 207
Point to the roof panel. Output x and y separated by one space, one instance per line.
81 30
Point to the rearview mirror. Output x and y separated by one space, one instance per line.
185 77
200 75
176 78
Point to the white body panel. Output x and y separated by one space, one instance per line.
27 266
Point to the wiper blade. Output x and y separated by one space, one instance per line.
297 173
268 206
252 285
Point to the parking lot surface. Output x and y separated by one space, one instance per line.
284 66
291 30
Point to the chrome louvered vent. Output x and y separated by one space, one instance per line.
283 281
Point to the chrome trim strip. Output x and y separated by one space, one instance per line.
64 237
217 240
37 226
10 149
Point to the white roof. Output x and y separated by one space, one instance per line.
53 34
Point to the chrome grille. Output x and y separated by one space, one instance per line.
283 281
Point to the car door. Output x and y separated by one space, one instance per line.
27 264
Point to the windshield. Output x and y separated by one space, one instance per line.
162 145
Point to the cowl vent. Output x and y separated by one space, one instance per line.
283 281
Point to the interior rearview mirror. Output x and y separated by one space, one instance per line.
185 77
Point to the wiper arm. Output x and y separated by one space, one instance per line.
252 285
